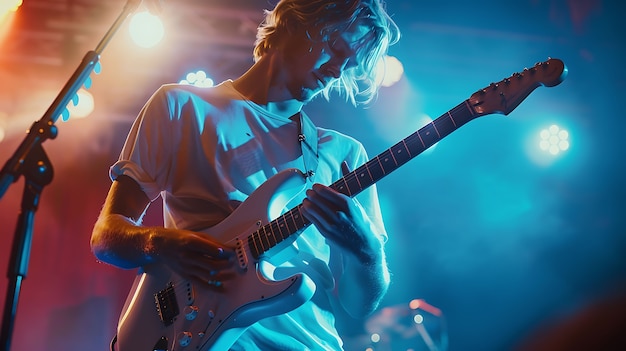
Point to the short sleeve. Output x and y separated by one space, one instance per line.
147 152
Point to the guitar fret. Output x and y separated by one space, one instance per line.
385 162
446 125
401 154
421 140
265 244
435 128
414 144
282 227
395 163
427 136
297 218
407 148
364 181
342 187
253 246
271 239
275 227
452 119
370 179
353 184
376 168
259 241
291 224
357 181
471 111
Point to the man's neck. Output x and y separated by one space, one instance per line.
259 85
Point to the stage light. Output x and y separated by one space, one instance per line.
7 10
7 6
82 105
375 337
552 143
146 29
390 71
198 79
554 140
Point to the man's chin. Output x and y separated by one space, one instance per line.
308 95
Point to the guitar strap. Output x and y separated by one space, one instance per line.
307 136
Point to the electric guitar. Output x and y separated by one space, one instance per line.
165 312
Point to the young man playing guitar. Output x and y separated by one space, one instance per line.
218 275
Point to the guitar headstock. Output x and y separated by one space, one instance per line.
504 96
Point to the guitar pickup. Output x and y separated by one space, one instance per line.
242 258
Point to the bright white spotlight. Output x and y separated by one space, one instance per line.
9 6
198 79
418 319
146 29
83 104
375 337
16 4
389 70
554 140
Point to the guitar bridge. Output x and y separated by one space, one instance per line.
167 305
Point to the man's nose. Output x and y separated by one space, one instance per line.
339 64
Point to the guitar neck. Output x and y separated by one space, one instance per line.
292 221
405 150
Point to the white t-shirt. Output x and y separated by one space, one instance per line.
204 151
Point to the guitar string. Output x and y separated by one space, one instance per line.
350 178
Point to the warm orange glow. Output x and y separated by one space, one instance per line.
422 304
7 11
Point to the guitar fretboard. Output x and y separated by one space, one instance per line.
292 221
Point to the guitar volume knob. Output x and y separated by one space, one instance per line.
191 312
184 339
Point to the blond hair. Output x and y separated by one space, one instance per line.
320 18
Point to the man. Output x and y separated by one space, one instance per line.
205 150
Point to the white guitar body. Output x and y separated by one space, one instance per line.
165 312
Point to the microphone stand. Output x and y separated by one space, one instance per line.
31 161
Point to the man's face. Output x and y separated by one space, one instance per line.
311 65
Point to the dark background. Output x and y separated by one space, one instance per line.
505 241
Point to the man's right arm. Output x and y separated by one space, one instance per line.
118 238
